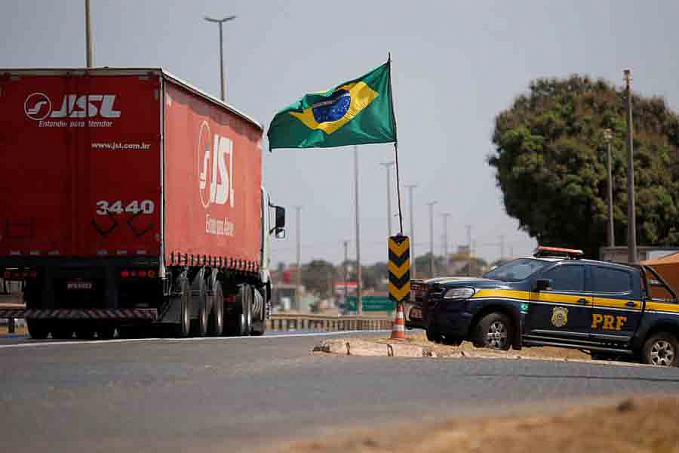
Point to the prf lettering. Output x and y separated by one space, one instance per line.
608 322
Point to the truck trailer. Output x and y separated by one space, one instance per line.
129 201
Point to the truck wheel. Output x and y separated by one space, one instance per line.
185 311
494 331
434 335
199 298
85 333
661 350
38 330
61 331
106 333
259 326
245 320
216 321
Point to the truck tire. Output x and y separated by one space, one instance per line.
245 318
37 329
660 349
184 329
259 326
494 331
216 320
61 330
199 299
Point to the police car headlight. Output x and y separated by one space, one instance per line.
459 293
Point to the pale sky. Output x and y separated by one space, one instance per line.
455 66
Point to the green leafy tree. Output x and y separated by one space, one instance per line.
319 276
550 159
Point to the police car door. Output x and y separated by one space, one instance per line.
563 310
617 303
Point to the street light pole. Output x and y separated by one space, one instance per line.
220 22
631 212
388 165
611 230
88 34
431 237
298 283
412 230
359 272
445 216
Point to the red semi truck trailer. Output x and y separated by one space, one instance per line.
130 199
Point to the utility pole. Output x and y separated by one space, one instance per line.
298 284
388 166
445 216
611 230
346 265
88 34
431 238
359 287
469 248
631 212
220 22
412 230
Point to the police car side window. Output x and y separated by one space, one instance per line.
567 278
607 280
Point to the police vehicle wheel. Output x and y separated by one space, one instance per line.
494 331
434 335
661 350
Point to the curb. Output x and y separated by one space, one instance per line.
363 348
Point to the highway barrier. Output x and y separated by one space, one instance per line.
329 323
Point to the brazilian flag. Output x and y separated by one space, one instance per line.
353 113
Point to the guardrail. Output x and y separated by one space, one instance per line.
330 323
280 322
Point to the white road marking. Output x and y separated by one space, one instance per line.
135 340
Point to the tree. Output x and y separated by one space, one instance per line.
319 276
550 159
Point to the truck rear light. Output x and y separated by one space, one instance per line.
152 274
142 274
7 275
124 274
133 273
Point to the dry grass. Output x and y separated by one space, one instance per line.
632 425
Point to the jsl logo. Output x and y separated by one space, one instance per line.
216 177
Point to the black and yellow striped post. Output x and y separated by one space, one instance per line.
399 268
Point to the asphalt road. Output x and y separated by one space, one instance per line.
237 394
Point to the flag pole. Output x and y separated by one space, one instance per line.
398 177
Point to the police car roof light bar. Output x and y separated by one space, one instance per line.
543 251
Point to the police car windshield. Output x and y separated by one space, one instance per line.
517 270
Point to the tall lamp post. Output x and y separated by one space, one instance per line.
220 22
631 212
388 166
608 136
431 237
410 188
88 34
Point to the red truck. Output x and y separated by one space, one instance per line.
130 199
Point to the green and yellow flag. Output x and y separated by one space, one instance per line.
353 113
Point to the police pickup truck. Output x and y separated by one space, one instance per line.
554 298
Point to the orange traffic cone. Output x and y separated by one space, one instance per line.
398 330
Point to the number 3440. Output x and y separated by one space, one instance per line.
116 207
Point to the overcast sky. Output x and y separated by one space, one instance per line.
455 66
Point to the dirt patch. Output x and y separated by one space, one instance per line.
420 338
630 425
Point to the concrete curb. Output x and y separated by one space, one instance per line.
342 346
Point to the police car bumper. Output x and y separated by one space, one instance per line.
451 323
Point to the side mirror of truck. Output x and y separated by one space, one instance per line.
280 218
542 284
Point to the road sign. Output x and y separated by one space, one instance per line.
370 303
399 268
